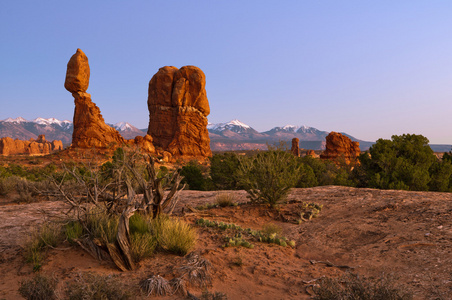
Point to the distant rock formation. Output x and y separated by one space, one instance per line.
8 146
311 153
338 145
295 147
178 110
90 129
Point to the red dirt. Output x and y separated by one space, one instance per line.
407 234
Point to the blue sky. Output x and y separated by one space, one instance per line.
368 68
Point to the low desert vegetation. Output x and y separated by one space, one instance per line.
224 199
351 286
206 295
405 162
174 235
241 237
39 287
47 236
97 287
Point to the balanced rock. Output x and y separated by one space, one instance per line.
178 110
295 147
340 146
77 74
90 130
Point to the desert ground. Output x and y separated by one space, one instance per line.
364 231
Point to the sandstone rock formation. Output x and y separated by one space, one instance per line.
295 147
77 74
90 130
311 153
340 146
8 146
178 110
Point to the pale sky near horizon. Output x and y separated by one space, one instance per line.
368 68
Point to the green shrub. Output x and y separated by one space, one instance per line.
223 171
194 177
40 287
441 173
269 176
404 162
97 287
350 287
174 235
324 172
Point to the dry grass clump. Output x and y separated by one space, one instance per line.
40 287
156 285
6 186
97 287
73 230
179 286
26 191
224 199
101 225
197 270
350 287
271 229
206 295
48 235
143 240
174 235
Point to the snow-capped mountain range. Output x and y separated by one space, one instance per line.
233 135
54 129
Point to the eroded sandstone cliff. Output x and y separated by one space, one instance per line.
178 110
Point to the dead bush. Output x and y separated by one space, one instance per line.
40 287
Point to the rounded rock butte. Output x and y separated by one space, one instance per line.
338 145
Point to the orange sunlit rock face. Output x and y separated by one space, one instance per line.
178 110
8 146
77 74
338 145
90 130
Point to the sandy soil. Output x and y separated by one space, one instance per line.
407 234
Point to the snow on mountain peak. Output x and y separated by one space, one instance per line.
51 121
230 124
238 123
16 120
290 128
122 126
